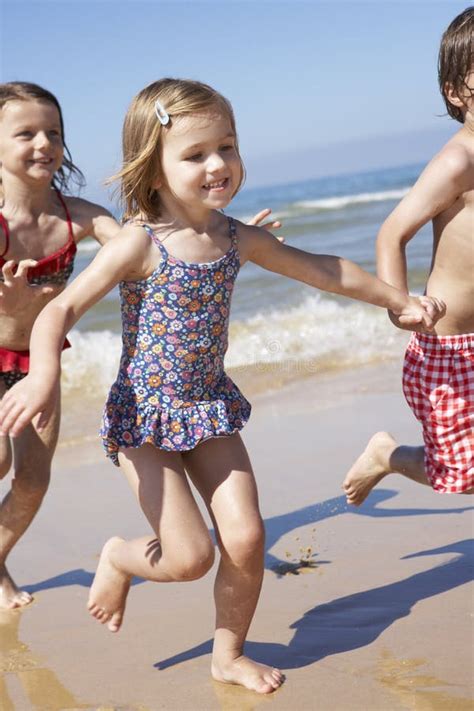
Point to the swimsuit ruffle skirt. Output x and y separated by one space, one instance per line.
171 390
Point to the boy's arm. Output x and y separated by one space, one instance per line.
329 273
444 179
125 258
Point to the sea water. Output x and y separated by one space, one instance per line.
280 328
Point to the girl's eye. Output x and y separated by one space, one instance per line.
195 156
24 134
54 133
229 147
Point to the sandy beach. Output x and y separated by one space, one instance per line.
367 608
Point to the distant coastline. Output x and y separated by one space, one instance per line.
354 156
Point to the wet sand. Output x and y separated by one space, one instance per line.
367 608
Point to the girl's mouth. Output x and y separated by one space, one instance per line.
41 161
217 185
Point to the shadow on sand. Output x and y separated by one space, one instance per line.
276 527
345 623
355 621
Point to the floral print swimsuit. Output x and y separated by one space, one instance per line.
171 390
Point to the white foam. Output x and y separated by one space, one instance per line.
318 334
336 203
92 362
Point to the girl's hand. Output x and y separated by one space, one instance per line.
420 314
15 292
23 402
270 226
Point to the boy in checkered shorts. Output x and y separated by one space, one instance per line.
438 374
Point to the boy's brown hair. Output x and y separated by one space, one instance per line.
456 59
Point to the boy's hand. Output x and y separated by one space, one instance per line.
22 403
270 226
420 314
16 293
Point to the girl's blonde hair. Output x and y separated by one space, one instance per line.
143 134
26 91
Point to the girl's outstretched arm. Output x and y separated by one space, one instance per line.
129 256
94 220
336 275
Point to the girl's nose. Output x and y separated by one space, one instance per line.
215 162
42 140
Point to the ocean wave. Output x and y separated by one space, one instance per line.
336 203
318 335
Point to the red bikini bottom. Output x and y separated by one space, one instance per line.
18 361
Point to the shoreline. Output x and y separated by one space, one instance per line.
362 623
80 425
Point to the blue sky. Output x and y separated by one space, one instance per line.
309 80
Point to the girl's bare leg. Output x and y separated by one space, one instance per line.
32 455
221 471
383 456
180 549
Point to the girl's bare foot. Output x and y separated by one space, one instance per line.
252 675
10 595
369 469
109 590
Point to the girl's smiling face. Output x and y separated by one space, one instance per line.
200 162
31 143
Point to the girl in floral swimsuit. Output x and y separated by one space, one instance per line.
173 414
38 238
39 229
172 390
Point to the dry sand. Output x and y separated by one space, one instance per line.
380 618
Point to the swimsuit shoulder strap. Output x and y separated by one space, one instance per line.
6 232
232 231
156 241
68 216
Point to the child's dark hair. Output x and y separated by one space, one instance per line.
456 59
26 91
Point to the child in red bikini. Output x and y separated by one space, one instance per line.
39 231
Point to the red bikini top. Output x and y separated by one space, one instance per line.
56 268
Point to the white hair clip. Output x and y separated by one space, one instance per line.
161 113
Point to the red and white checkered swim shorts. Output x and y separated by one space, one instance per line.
438 382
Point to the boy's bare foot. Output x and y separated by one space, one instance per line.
369 469
10 595
109 590
252 675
